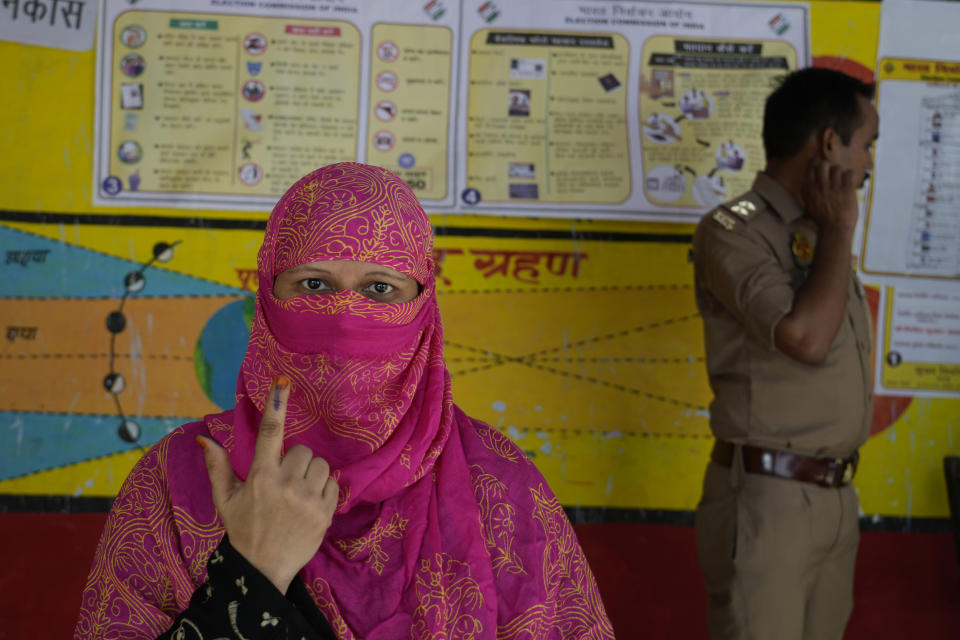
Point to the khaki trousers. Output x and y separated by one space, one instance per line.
777 556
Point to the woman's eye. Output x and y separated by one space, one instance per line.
314 284
380 288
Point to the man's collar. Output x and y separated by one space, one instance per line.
780 200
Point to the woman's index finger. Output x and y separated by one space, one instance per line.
269 445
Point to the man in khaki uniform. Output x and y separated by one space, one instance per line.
788 344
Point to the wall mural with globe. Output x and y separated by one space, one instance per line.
217 357
109 354
598 375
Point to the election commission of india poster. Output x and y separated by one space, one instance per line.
207 105
911 244
701 111
631 110
607 109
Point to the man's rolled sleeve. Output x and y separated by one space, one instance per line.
744 275
767 308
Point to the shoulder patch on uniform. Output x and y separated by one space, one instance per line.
724 220
743 209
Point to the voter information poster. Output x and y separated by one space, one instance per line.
228 105
921 347
913 224
547 119
911 241
410 113
592 109
616 109
701 114
212 105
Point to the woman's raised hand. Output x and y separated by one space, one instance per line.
277 518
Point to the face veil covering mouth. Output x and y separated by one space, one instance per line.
370 390
444 528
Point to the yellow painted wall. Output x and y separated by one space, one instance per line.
599 377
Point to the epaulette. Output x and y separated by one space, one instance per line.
742 210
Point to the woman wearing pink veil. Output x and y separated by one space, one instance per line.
346 495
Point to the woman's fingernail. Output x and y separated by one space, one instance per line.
207 441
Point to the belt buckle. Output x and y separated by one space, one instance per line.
842 472
846 472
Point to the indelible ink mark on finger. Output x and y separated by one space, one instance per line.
279 384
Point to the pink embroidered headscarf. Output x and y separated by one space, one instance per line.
444 528
371 395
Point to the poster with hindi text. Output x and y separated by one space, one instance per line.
618 110
560 108
213 105
911 238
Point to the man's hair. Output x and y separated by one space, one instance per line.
808 101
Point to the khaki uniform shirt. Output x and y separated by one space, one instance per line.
750 257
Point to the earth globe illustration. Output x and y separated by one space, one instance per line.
219 351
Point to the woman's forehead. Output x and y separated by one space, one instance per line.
350 211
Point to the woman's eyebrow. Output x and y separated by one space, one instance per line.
387 274
309 269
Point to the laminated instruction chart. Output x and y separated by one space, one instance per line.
917 172
224 110
912 229
701 104
613 110
547 118
215 104
560 108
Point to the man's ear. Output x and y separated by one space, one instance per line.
830 142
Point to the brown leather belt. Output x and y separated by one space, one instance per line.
826 472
